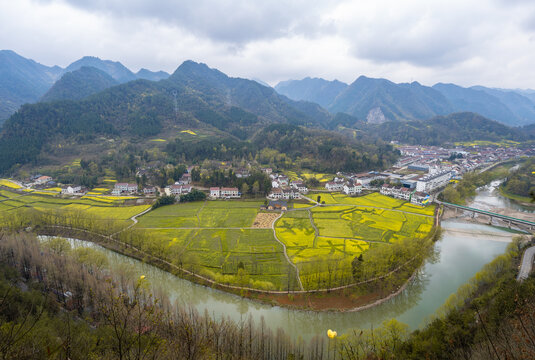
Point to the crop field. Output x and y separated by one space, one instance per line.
217 239
209 214
45 201
347 226
9 184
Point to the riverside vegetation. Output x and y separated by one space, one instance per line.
58 303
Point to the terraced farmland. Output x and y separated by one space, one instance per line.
346 231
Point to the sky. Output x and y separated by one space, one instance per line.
467 42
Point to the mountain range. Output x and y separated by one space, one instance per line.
25 81
94 102
380 100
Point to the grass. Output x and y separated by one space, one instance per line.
521 199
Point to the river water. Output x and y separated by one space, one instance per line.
459 257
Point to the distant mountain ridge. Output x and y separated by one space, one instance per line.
22 80
368 98
316 90
113 68
25 81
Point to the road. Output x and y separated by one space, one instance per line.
527 264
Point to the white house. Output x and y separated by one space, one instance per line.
185 179
334 186
215 192
299 186
149 190
229 192
386 189
224 192
276 193
180 189
405 193
352 188
121 188
70 190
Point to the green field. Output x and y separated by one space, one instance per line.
216 238
86 208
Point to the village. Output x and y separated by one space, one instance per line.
418 173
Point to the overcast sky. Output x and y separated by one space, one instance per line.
485 42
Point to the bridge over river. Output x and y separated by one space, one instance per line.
521 223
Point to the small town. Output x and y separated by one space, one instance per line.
415 177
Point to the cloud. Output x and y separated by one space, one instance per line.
232 21
488 42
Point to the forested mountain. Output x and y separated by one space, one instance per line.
439 130
113 68
151 75
396 101
249 95
380 100
22 80
79 84
236 110
317 90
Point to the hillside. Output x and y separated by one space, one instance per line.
439 130
395 101
317 90
79 84
22 80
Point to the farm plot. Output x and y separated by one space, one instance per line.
222 253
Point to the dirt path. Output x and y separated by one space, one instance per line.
286 253
527 264
316 231
134 219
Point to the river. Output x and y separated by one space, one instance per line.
459 257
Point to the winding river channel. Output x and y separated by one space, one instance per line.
460 254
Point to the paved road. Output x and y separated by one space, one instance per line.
527 264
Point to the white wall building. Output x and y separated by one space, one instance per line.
431 182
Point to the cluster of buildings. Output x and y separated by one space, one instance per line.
405 193
349 186
283 188
460 159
